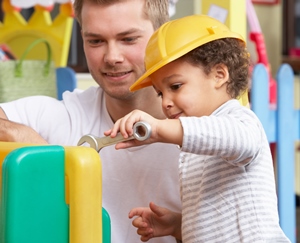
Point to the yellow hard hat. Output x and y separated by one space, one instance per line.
178 37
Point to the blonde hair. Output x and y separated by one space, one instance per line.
154 10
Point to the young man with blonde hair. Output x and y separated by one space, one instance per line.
115 35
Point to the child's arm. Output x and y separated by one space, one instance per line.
165 131
156 221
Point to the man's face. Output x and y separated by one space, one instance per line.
115 38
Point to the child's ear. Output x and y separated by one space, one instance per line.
221 75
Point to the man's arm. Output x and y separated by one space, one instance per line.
15 132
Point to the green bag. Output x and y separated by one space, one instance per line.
21 78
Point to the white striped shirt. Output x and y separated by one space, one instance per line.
227 179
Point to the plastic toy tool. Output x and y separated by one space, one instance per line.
141 132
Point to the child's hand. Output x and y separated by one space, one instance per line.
156 221
125 127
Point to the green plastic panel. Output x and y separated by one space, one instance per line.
106 227
33 196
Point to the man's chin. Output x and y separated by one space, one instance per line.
120 94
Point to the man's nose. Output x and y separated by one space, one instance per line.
113 55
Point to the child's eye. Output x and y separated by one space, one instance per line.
160 94
175 86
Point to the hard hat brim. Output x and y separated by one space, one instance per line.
159 42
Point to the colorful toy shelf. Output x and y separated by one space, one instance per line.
51 194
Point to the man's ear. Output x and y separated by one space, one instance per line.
221 75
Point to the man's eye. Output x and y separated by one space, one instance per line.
130 39
175 86
94 42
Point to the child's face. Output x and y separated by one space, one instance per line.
187 91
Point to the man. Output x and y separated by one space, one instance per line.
115 34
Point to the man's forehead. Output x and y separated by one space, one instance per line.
121 16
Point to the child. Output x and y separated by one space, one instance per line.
199 67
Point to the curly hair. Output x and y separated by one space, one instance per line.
230 52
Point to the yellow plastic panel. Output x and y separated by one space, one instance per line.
7 147
84 194
18 34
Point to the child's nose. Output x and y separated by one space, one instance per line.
167 103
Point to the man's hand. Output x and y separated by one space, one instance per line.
15 132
